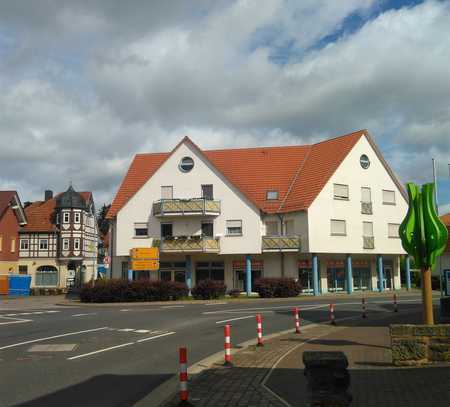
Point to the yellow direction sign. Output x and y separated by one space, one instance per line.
152 265
145 253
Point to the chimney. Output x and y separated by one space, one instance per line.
48 195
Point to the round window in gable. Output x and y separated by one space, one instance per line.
186 164
364 161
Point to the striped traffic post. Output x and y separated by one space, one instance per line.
297 320
259 329
364 313
332 318
227 346
395 303
183 376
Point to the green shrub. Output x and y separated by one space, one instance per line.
209 290
117 290
277 287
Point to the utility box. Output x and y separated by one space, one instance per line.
4 284
19 285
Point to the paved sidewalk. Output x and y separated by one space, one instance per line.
374 382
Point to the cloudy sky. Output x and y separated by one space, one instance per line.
84 85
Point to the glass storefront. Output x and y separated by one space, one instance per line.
240 277
361 278
305 278
336 279
214 270
173 271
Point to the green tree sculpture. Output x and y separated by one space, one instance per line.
424 237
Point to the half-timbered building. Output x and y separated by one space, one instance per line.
58 245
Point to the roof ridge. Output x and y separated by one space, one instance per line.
363 131
291 186
258 148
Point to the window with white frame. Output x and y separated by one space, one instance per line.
167 192
393 230
24 244
141 229
234 227
388 197
65 244
338 227
77 217
368 229
366 195
76 243
272 228
43 244
272 195
66 217
340 191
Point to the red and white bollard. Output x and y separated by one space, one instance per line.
227 346
332 318
297 320
364 312
183 376
259 329
395 303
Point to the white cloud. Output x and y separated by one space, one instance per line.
208 73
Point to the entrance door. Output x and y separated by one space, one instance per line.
361 278
336 279
387 278
242 281
305 278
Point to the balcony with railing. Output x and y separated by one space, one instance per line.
186 207
368 242
280 243
188 244
366 208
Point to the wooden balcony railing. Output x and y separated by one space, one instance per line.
195 206
280 243
188 244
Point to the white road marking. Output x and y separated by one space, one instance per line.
234 319
172 306
53 337
142 331
82 315
216 303
154 337
9 315
14 320
259 309
124 310
125 330
120 346
100 351
51 312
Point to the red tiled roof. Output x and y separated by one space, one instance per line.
40 214
5 199
298 173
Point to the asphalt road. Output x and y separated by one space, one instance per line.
114 356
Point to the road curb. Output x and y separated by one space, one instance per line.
167 390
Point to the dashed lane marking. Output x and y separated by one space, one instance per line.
234 319
216 303
29 313
120 346
83 315
172 306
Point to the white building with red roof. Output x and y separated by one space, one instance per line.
58 245
327 214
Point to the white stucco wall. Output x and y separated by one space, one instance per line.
325 207
188 185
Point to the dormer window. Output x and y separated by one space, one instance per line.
272 195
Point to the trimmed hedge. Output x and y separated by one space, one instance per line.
117 290
277 287
209 290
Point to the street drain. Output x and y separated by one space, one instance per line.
62 347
